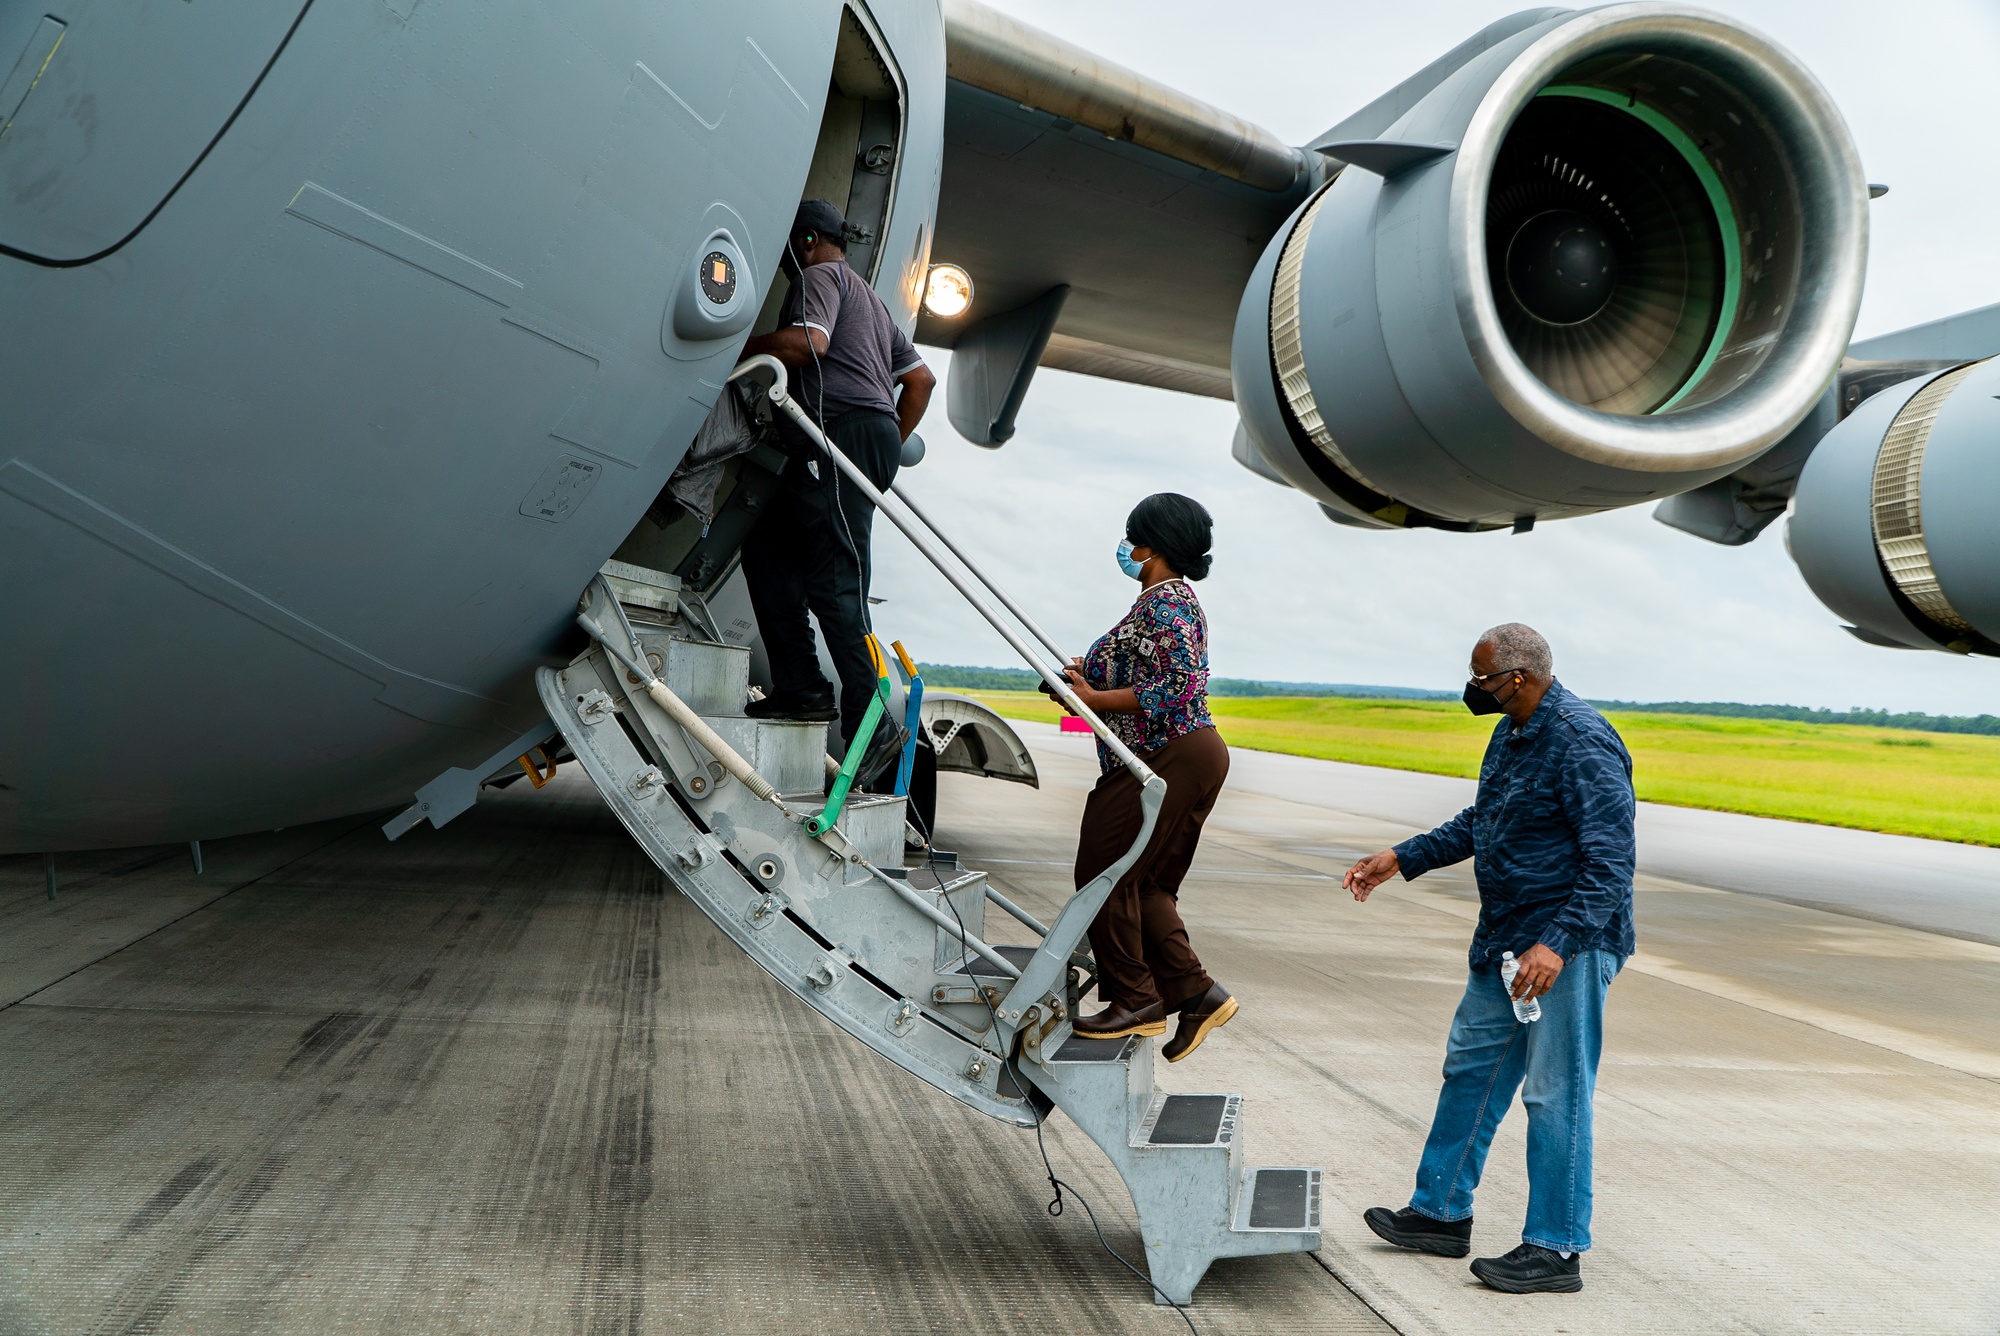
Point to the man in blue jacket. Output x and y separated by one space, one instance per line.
1550 836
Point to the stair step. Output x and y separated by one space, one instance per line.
824 928
714 679
883 969
789 754
1279 1198
1017 956
873 824
711 678
1191 1120
1076 1048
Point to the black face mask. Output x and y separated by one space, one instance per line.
1481 701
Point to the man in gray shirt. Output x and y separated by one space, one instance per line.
810 551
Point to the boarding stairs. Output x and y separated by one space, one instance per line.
815 888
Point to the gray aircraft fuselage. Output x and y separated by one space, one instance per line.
341 350
346 339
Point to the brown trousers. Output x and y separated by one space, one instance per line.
1141 945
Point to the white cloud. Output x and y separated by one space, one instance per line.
1634 610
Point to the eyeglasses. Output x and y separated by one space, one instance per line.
1481 679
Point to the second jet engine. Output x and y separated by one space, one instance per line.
1892 522
1607 259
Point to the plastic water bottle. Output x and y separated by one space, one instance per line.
1531 1010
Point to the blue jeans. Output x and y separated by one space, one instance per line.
1553 1063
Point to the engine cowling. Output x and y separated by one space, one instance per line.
1892 523
1636 269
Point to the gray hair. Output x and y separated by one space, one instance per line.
1519 646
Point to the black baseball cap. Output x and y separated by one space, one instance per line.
818 216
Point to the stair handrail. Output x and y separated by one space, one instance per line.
781 399
1020 915
1048 966
999 593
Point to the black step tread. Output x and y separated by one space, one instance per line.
1281 1199
1017 956
1189 1120
1077 1048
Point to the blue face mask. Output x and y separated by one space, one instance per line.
1132 569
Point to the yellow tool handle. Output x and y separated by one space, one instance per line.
909 668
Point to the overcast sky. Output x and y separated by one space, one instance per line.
1634 610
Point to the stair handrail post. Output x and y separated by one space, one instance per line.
1045 972
1020 915
897 511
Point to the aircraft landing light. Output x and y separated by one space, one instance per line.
947 291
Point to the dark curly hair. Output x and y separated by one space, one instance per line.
1176 527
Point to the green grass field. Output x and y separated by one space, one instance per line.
1939 785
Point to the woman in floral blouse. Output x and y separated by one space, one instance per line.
1147 677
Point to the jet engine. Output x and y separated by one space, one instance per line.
1892 522
1607 259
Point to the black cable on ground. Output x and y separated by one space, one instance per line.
1056 1208
1056 1185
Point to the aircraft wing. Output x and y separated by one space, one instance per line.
1584 260
1109 222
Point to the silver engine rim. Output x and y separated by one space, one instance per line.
1753 416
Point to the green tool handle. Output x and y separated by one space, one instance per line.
844 781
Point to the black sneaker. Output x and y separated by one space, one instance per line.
1531 1269
805 709
1413 1229
884 749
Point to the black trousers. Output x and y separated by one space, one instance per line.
809 552
1141 945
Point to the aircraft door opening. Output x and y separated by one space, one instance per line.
857 157
867 80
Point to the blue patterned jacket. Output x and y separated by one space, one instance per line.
1550 835
1160 650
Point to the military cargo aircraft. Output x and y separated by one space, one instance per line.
351 344
347 340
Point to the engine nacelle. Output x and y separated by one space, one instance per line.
1630 264
1892 523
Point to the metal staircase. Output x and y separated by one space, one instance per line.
896 955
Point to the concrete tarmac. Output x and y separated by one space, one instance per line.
494 1080
491 1079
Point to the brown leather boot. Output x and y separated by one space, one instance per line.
1115 1022
1210 1011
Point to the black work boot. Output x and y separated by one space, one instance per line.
1531 1269
884 750
1413 1229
